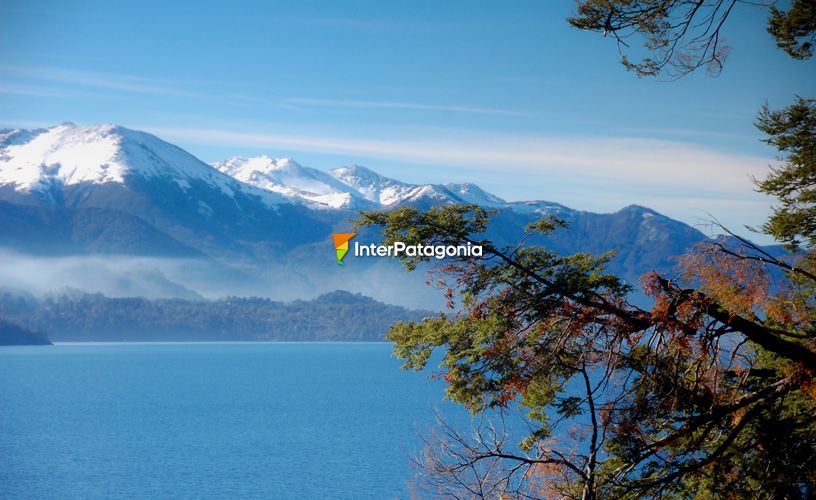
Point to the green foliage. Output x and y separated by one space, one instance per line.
795 29
710 394
450 224
792 131
620 402
338 316
569 406
680 36
12 334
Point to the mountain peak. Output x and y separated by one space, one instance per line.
287 177
359 175
636 208
471 193
356 170
240 166
42 160
66 153
373 186
644 212
69 154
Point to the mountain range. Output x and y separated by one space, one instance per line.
257 225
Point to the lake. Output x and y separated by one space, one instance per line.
211 420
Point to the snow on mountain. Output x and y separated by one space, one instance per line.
345 187
539 207
37 161
373 186
107 189
119 170
389 192
471 193
288 178
68 154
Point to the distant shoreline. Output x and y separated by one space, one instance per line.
183 342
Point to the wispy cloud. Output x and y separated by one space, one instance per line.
27 82
681 179
675 132
255 101
109 81
345 103
644 163
39 91
6 122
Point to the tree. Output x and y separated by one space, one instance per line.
668 400
708 393
711 390
792 131
680 36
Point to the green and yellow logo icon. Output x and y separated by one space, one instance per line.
341 244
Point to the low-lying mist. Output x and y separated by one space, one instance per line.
152 277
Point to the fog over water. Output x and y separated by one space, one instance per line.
156 277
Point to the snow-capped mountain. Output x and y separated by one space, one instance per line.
471 193
539 208
353 187
45 161
387 192
72 189
374 187
68 154
288 178
111 167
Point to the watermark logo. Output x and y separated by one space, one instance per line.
341 245
400 249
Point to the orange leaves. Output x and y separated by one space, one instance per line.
738 284
505 398
676 311
808 386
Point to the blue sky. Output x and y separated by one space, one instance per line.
505 95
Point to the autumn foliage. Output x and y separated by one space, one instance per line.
709 392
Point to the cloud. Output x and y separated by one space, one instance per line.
343 103
125 83
116 276
154 277
675 132
152 86
680 179
633 161
37 91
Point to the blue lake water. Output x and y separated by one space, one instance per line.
246 420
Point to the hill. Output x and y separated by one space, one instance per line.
12 334
338 316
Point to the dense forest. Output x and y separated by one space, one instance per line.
11 334
77 316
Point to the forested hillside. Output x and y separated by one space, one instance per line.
11 334
336 316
